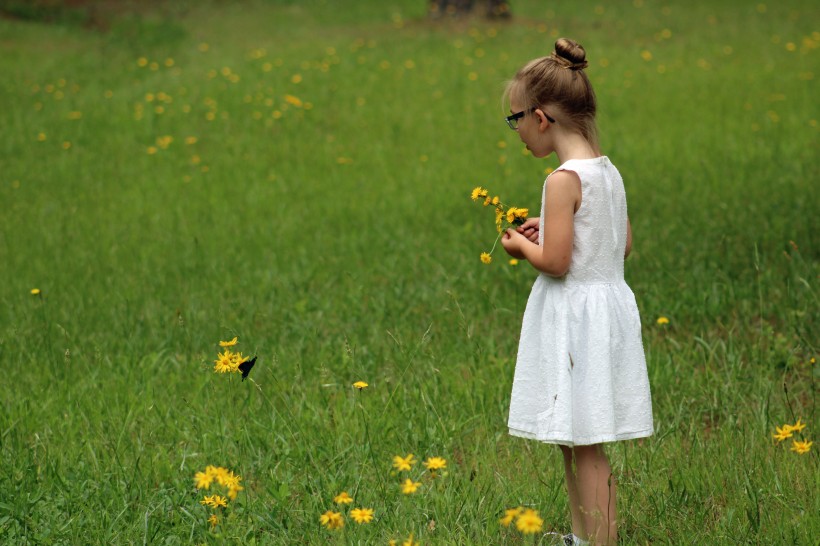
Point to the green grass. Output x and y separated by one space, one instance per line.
338 242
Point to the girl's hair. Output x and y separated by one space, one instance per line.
560 80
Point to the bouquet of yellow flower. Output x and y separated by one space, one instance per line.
505 216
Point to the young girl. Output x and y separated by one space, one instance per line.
580 377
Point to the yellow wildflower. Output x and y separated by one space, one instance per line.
403 463
343 498
798 426
360 385
513 261
510 515
203 480
662 320
486 258
409 486
435 463
224 362
528 522
801 447
477 193
214 501
35 291
362 515
782 433
332 520
230 343
213 520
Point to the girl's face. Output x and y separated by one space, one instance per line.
532 128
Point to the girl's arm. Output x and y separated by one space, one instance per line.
562 199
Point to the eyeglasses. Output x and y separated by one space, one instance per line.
512 120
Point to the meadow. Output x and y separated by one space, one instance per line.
298 175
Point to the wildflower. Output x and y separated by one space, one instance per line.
409 486
405 463
477 193
782 433
798 426
362 515
801 447
213 520
343 498
510 515
360 385
528 522
224 362
514 213
203 480
214 501
237 359
332 520
662 320
293 101
35 291
230 343
486 258
435 463
513 261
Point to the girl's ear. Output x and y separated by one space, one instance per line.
543 122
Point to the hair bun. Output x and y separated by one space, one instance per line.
570 54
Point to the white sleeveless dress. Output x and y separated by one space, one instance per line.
580 377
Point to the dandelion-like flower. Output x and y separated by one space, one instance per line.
782 433
403 463
435 463
486 258
362 515
214 501
798 426
213 520
513 261
203 480
360 385
510 515
35 291
224 362
662 320
478 193
409 486
343 498
801 447
528 522
332 520
230 343
513 216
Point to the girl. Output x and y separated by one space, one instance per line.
580 377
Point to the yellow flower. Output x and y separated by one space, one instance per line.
403 463
801 447
332 520
487 200
233 490
797 427
513 261
35 291
528 522
343 498
224 362
230 343
496 200
293 101
478 192
362 515
435 463
486 258
662 320
203 480
409 486
510 515
514 214
213 520
782 433
236 361
360 385
214 501
410 541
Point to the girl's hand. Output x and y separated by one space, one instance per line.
529 229
512 242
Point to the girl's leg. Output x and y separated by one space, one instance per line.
596 493
578 528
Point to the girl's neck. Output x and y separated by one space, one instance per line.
571 145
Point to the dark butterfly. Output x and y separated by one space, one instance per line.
246 366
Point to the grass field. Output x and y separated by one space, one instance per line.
297 174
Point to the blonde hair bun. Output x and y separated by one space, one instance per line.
570 54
